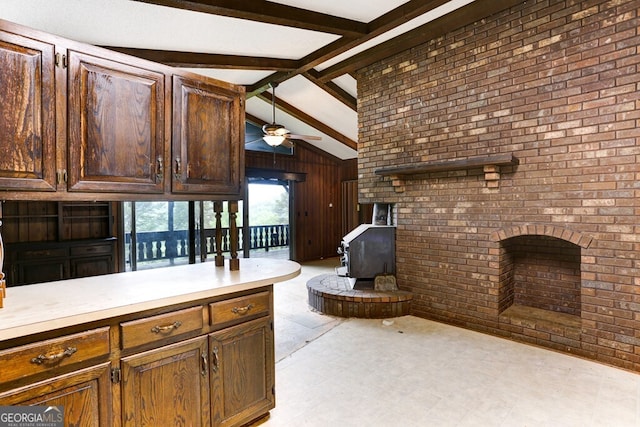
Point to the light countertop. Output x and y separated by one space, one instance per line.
41 307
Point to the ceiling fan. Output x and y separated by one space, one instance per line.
275 134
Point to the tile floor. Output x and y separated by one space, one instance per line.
357 372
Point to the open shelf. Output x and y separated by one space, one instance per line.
449 165
490 164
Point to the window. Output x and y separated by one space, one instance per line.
160 234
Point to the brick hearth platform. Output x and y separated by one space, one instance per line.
332 294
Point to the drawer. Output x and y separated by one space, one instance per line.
163 328
91 250
43 356
234 309
43 253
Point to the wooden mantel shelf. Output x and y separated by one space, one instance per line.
490 164
449 165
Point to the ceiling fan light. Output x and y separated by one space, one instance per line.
273 140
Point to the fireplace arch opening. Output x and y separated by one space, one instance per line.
541 272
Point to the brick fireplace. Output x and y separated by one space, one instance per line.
511 148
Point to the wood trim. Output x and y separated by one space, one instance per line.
275 174
270 13
176 58
332 89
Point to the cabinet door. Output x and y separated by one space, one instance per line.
167 387
38 271
116 126
242 372
86 267
27 114
84 394
208 128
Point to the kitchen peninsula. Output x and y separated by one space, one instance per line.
191 342
184 345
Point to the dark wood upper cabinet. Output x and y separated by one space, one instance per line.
78 122
27 114
207 148
116 126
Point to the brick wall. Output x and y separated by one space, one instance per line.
556 83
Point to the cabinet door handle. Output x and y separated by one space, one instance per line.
166 328
61 176
215 362
242 310
203 364
65 62
178 170
159 170
52 358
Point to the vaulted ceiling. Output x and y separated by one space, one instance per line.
310 49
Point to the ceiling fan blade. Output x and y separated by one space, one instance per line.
305 137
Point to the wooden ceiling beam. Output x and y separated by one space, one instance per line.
262 11
209 60
382 24
265 83
386 22
305 118
332 89
473 12
403 13
270 13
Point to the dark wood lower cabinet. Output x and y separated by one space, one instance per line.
47 241
241 383
205 363
28 263
224 382
227 381
85 395
168 386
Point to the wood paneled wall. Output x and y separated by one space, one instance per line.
318 206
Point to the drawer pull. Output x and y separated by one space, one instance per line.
242 310
52 358
166 328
